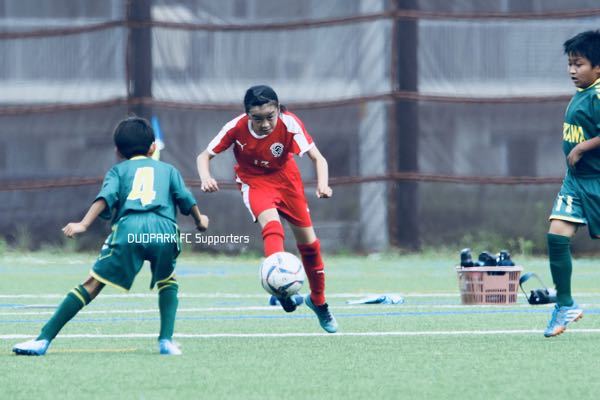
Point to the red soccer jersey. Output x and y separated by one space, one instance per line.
262 155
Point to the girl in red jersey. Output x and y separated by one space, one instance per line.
264 141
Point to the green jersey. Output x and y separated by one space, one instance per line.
142 184
582 122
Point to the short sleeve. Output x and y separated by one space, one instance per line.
596 112
184 199
109 193
225 138
302 142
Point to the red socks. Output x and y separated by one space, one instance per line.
314 268
273 236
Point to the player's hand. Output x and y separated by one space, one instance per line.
73 228
202 225
324 192
209 185
574 156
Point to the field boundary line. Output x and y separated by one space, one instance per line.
248 296
305 334
18 310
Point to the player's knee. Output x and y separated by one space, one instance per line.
310 249
93 287
169 284
562 228
273 228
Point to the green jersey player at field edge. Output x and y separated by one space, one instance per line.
141 196
578 202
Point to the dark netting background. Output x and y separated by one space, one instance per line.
491 88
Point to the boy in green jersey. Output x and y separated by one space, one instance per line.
141 196
578 202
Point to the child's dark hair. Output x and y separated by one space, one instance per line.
259 95
133 137
585 44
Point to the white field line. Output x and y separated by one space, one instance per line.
215 295
371 307
288 335
364 307
246 296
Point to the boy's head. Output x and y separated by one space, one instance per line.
583 51
262 106
134 136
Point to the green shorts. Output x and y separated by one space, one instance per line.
134 239
579 202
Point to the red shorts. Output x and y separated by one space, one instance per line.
283 191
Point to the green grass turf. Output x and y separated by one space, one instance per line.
445 366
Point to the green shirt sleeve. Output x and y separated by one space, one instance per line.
596 113
109 192
181 195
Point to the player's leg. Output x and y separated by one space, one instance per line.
168 301
310 251
567 215
75 300
272 231
273 239
162 257
260 200
167 305
294 208
559 254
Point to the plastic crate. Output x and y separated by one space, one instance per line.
488 285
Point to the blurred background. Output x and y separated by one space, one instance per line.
441 120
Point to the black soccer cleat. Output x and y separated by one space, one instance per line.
486 260
504 260
289 304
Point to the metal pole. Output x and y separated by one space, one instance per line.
406 129
140 57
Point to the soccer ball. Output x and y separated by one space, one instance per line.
282 274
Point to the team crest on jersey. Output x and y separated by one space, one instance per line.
277 149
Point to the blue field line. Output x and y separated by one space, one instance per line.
11 305
298 316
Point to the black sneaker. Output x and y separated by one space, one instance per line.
487 260
466 259
289 304
504 259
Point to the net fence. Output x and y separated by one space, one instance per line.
489 92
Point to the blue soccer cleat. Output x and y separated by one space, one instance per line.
31 348
326 319
168 347
289 304
561 317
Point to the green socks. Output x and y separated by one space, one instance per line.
559 253
76 299
167 304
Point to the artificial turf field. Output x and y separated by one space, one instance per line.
237 347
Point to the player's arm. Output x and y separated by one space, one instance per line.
200 219
322 170
208 183
590 144
577 152
73 228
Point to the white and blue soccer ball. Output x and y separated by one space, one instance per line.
282 274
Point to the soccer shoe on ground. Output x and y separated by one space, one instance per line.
326 319
168 348
31 348
289 304
561 317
